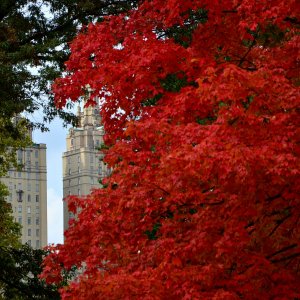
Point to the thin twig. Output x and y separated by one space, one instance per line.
286 258
282 250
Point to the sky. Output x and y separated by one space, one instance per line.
55 140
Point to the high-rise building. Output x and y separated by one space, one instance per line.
27 188
82 162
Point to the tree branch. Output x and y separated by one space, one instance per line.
247 52
279 222
286 258
282 250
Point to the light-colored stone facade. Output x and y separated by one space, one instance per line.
28 194
82 162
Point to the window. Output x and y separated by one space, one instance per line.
36 164
78 180
19 195
37 198
78 192
37 176
19 208
36 153
28 154
28 174
19 156
37 208
91 158
28 209
28 198
92 169
10 197
69 171
37 221
37 232
37 244
28 221
78 169
19 174
92 180
28 187
78 158
29 232
10 186
20 220
29 242
20 186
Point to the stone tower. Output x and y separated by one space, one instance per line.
82 162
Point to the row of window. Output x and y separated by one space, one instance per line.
78 193
28 209
28 163
93 180
13 174
37 243
37 198
91 143
20 197
92 170
20 186
37 232
29 221
92 159
28 153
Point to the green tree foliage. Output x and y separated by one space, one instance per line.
9 230
20 265
13 135
35 35
19 276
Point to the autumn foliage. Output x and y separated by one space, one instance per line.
201 114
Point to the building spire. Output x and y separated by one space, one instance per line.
89 115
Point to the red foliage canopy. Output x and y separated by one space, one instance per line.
201 114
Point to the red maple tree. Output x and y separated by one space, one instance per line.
201 114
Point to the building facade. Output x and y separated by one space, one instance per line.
83 165
28 194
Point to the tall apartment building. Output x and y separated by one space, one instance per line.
28 194
82 162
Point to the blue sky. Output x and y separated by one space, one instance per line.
55 140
